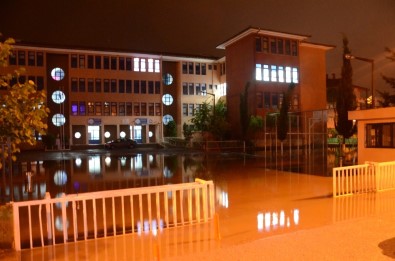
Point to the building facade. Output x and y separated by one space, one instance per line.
269 62
97 96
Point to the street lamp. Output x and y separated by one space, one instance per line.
371 61
204 93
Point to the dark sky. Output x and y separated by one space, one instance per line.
197 27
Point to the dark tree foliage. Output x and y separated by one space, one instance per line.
388 99
282 126
346 100
170 130
244 117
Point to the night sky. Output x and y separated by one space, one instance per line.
197 27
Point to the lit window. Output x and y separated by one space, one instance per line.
287 74
274 73
157 66
167 99
258 72
150 65
136 64
58 97
143 65
167 118
281 74
57 74
58 119
266 73
295 75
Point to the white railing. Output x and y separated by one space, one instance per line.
368 177
353 179
83 216
385 173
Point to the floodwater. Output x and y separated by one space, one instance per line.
73 172
257 196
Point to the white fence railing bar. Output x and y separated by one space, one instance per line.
84 216
368 177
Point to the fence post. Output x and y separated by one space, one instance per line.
48 215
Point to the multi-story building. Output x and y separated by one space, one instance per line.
96 96
270 61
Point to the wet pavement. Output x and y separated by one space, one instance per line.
261 214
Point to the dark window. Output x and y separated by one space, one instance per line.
90 85
129 86
106 108
98 62
185 88
157 87
106 62
258 44
40 59
98 85
184 68
90 61
158 109
31 59
21 58
198 90
280 46
74 61
143 109
113 63
151 109
150 87
288 47
294 46
185 109
267 100
81 87
113 85
143 87
191 89
273 45
265 44
40 83
121 109
98 109
121 84
190 66
106 85
121 62
203 69
275 100
82 61
210 67
114 108
197 68
74 85
136 86
129 64
129 109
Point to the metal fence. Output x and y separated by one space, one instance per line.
84 216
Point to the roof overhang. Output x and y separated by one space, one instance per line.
259 31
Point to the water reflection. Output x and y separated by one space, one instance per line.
86 173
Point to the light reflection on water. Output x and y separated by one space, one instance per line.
87 173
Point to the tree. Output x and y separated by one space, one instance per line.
202 119
22 110
170 129
282 126
346 100
219 125
244 117
187 131
388 99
